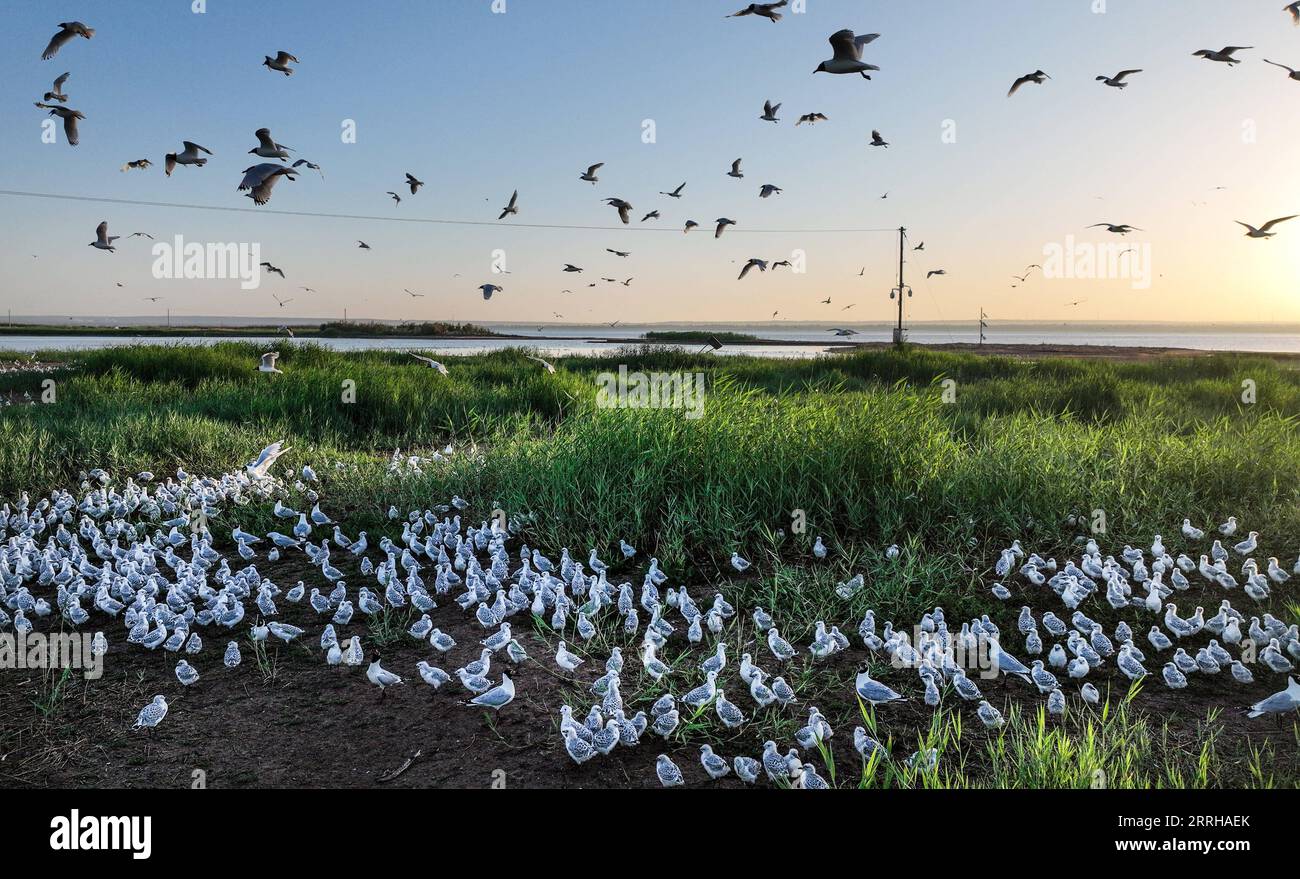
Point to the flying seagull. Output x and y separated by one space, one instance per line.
67 30
268 148
394 196
846 47
676 193
1264 230
412 295
103 241
1224 55
268 364
765 10
188 156
932 273
690 224
69 117
261 180
140 235
412 182
488 290
877 140
571 268
622 206
270 268
1115 229
760 264
769 109
1036 78
363 245
653 215
281 302
769 190
134 164
1293 74
56 93
311 165
811 119
512 208
622 253
1294 9
1117 81
548 367
433 364
590 174
723 223
735 170
280 62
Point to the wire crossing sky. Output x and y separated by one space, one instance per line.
478 103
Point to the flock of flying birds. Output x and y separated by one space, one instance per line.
259 180
129 552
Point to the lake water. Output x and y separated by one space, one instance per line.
564 340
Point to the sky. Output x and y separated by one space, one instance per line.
478 102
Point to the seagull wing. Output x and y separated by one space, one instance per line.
101 232
263 136
56 43
1015 86
70 128
860 42
1124 73
843 46
192 147
255 175
58 83
1271 223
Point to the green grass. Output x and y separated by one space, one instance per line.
868 449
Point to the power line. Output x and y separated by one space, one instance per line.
428 220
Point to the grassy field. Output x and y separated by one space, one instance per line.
949 456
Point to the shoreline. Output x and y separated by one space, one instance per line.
830 345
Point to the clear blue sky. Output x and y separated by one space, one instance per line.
477 104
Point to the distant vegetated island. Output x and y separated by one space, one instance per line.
698 336
330 330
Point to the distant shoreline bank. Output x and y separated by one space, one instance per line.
833 345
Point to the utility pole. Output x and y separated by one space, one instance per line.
169 318
983 326
899 338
